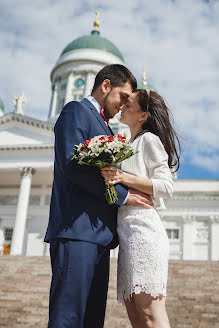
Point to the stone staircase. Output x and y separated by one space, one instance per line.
192 300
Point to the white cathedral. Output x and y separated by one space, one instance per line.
191 217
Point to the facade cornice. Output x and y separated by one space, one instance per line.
185 213
10 217
196 196
27 121
87 55
69 70
25 147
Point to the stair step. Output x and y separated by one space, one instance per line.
192 294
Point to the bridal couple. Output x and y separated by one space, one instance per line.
83 227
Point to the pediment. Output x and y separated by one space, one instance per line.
19 131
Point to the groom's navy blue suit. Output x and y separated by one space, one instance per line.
82 226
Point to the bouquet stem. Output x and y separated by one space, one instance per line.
111 194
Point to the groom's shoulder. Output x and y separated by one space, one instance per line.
75 106
73 111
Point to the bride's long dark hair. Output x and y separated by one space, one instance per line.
159 122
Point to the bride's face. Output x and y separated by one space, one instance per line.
131 112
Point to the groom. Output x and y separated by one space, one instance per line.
82 226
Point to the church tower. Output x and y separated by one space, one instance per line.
73 76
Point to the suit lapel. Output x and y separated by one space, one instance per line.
97 115
111 130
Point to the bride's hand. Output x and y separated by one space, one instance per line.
112 175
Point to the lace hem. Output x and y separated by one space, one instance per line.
125 295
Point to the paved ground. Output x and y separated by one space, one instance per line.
192 302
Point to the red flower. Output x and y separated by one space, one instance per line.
111 138
86 143
121 138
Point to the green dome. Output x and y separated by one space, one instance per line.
93 41
2 107
146 86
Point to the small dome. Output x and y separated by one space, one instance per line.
93 41
2 106
144 84
147 86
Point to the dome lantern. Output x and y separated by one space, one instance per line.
144 80
144 84
96 22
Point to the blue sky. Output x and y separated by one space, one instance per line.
177 42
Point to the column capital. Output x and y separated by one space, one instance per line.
55 85
57 80
70 72
188 219
27 171
214 218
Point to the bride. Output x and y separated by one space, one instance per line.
144 245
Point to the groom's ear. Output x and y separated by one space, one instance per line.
106 86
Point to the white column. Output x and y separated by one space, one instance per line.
1 241
21 215
51 102
68 93
54 100
89 83
188 233
214 237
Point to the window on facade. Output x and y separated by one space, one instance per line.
173 233
8 234
63 86
79 83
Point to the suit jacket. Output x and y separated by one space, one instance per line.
78 208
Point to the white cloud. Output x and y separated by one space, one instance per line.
175 40
210 163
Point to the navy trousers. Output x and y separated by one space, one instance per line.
78 292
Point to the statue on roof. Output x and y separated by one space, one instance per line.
19 104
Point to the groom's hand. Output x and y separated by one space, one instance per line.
138 198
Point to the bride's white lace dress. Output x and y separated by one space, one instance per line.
144 245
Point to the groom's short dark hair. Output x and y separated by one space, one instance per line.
117 74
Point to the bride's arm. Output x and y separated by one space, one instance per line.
159 183
113 175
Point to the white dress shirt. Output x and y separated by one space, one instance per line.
94 102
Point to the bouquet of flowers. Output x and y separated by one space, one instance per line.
102 151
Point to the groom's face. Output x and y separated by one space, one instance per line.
115 98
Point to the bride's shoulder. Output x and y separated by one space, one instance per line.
149 137
151 141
